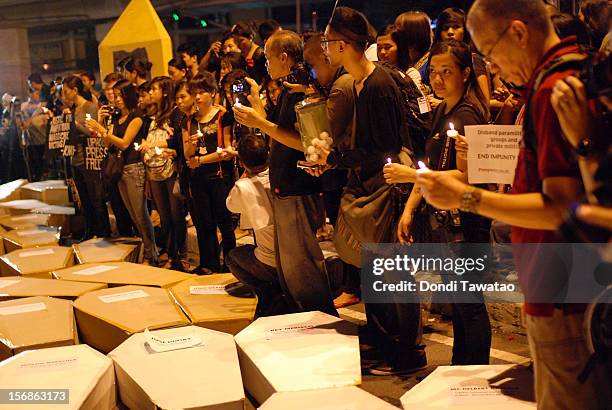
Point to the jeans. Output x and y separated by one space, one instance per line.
91 192
125 226
299 259
261 278
559 351
209 212
131 187
172 214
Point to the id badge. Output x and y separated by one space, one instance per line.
424 106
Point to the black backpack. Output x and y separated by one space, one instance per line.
418 125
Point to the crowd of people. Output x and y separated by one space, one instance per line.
217 137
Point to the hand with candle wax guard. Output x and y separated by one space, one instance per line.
441 189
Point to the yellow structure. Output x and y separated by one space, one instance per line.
140 33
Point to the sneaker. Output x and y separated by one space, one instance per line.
384 368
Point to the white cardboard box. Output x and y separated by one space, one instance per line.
30 237
35 323
476 387
107 317
24 221
203 376
20 206
300 351
104 250
87 374
14 287
11 190
341 398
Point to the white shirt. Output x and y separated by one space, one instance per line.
251 198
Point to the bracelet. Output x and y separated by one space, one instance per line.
470 199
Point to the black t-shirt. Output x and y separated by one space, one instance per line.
208 144
286 179
130 155
380 124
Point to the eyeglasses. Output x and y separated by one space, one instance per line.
325 42
487 56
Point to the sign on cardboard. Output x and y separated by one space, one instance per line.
492 153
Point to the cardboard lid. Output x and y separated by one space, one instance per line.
10 190
102 250
288 350
122 273
35 322
21 286
133 308
29 237
349 398
41 186
178 379
55 210
23 204
87 374
500 387
215 304
38 260
26 221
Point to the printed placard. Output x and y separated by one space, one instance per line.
208 290
15 310
94 270
492 153
36 253
123 296
95 152
165 344
59 131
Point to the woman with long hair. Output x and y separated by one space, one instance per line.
209 155
160 152
126 129
87 159
386 48
412 36
252 53
451 26
137 71
453 79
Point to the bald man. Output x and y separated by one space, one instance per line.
517 37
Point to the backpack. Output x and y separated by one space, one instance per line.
418 125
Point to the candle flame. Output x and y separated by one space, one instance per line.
422 165
388 160
452 126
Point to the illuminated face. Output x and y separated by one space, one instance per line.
446 77
108 92
156 93
274 91
276 63
203 99
69 94
176 74
230 46
387 49
452 31
184 100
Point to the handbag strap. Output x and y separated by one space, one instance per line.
220 143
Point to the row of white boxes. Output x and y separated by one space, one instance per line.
50 192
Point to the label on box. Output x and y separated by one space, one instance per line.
49 365
208 290
299 329
24 218
15 310
165 344
37 253
94 270
8 282
120 297
30 232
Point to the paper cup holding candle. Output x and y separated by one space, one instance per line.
452 133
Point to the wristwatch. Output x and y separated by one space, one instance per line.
585 148
470 200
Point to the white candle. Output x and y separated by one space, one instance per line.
389 162
422 168
452 133
219 150
87 116
158 151
136 146
200 134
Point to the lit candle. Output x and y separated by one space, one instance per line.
422 168
219 150
136 146
452 133
158 151
87 116
389 161
200 134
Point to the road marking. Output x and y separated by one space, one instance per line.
360 319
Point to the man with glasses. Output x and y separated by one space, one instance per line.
547 181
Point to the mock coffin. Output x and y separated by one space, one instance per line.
107 317
183 368
295 352
52 192
23 221
36 262
208 304
351 397
30 237
476 387
35 323
86 375
14 287
107 250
